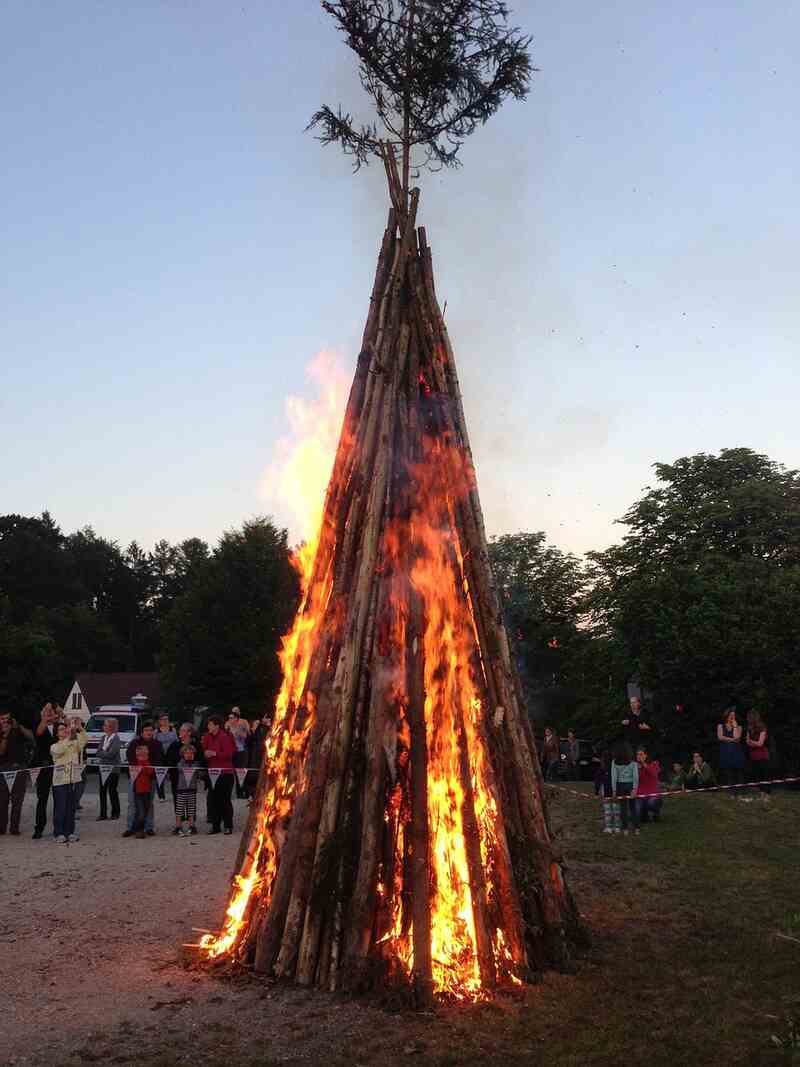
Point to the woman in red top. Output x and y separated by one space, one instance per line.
757 751
648 802
218 749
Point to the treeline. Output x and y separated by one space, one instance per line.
209 620
699 602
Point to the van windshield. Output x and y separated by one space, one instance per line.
126 723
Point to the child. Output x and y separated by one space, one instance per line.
142 797
699 775
648 802
678 779
602 788
624 783
186 793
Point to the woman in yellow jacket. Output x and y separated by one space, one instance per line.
67 772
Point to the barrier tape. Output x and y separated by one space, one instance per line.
670 792
161 771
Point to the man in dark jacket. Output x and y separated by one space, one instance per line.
44 737
14 743
156 755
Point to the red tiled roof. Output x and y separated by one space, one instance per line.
118 688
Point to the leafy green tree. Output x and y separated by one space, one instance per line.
703 593
564 667
221 637
434 71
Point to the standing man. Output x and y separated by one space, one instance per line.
165 736
255 755
45 736
14 742
146 739
219 750
239 729
573 756
635 728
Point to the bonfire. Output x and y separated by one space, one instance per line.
398 836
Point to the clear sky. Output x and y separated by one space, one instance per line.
619 256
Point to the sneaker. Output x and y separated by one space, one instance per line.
61 840
192 831
227 830
608 830
150 833
36 835
127 833
162 800
617 830
177 831
73 837
101 818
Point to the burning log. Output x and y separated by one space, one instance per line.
399 834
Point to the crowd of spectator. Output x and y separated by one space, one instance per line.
630 781
222 756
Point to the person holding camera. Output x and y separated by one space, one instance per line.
44 737
14 743
66 753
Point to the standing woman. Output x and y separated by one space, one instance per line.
66 753
731 752
108 760
756 744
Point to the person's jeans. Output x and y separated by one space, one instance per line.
627 805
44 785
143 810
63 810
132 806
109 791
758 771
647 808
219 801
14 799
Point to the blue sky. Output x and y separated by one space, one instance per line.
618 255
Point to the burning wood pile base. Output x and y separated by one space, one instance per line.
399 836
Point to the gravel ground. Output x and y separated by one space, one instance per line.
92 966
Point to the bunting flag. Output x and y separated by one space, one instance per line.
241 774
214 773
10 777
105 771
161 774
34 772
188 775
133 773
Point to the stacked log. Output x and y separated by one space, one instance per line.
399 833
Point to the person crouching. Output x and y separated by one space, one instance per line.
142 789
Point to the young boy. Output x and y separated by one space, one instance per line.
142 788
678 779
186 793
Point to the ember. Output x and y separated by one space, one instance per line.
398 834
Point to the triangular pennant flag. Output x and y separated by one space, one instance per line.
214 773
105 771
241 774
188 775
10 777
34 773
134 773
161 774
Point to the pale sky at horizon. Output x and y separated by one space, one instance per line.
618 256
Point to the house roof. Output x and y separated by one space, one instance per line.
118 688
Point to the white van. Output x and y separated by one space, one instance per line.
128 718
